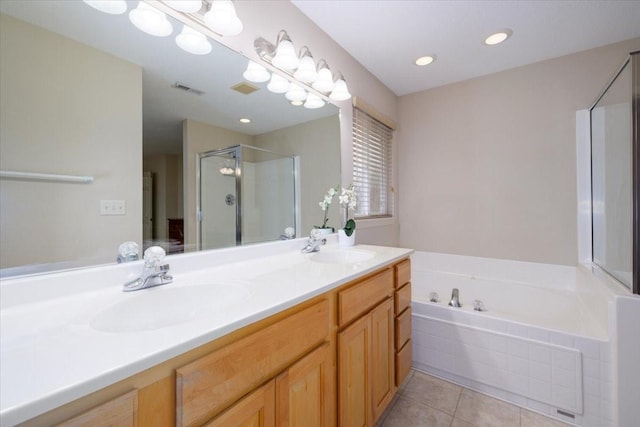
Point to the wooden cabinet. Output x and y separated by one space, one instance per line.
366 351
354 371
255 410
305 393
382 356
212 383
403 346
299 396
119 412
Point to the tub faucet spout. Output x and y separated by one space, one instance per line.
455 300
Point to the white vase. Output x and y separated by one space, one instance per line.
323 231
344 240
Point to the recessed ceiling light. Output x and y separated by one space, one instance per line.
245 120
425 60
296 103
498 37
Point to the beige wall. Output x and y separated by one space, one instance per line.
489 164
66 109
198 137
318 167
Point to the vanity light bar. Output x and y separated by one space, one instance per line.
195 20
323 86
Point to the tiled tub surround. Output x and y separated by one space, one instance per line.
50 354
543 343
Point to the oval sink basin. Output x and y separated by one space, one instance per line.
164 306
342 256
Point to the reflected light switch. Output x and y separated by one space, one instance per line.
113 207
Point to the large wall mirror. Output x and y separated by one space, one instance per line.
87 94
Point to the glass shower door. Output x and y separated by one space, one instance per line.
268 195
245 195
219 196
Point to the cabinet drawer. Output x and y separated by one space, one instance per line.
210 384
358 299
121 412
403 272
403 298
403 363
403 328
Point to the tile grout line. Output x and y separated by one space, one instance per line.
455 411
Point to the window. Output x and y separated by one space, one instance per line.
372 166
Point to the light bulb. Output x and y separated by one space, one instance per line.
150 20
222 18
313 101
256 73
324 83
112 7
306 71
278 84
285 57
186 6
498 37
192 41
340 91
296 93
425 60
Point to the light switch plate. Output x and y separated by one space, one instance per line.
113 207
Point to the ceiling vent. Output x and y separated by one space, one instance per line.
244 88
189 89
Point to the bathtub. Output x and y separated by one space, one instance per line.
543 342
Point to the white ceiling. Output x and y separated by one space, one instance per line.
387 36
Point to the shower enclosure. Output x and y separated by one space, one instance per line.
615 176
245 195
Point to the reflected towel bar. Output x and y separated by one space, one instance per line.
32 176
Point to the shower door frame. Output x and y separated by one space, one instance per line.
633 61
236 150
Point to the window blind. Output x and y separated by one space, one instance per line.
372 166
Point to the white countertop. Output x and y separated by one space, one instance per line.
53 350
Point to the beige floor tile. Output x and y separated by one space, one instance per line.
532 419
409 413
457 422
433 391
481 411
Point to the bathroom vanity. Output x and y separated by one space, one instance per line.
311 339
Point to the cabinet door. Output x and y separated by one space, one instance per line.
255 410
354 371
305 393
382 356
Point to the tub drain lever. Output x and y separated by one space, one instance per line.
455 300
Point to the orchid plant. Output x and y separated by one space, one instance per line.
348 200
324 205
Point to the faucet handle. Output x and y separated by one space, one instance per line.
153 256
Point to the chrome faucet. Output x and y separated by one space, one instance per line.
455 301
314 243
289 233
155 273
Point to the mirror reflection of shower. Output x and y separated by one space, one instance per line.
245 195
